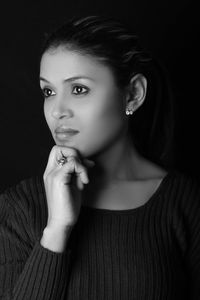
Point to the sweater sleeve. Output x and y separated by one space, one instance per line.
28 271
191 210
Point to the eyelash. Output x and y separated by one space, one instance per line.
75 86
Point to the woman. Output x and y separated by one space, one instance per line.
105 221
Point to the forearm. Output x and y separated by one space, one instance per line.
43 277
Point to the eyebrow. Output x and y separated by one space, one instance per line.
70 79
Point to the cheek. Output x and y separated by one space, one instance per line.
107 114
107 122
104 124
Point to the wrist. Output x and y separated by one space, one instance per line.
55 237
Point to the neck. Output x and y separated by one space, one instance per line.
120 162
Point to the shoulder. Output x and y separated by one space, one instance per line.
26 190
25 200
184 185
183 196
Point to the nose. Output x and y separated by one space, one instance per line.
61 109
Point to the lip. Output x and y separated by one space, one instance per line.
64 133
65 130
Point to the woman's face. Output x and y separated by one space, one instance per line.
81 93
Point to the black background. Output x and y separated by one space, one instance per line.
168 29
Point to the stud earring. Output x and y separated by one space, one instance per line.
129 112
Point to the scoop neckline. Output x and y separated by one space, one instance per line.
136 209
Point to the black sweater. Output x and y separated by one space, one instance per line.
151 252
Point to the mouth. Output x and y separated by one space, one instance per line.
65 134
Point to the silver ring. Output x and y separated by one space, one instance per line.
61 161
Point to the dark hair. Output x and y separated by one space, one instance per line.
114 44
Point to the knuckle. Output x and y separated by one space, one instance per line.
72 159
54 149
71 164
69 151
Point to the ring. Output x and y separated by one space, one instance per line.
62 160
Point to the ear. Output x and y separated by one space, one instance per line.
137 89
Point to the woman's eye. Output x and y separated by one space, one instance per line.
79 90
47 92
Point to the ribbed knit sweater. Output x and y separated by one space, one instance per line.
151 252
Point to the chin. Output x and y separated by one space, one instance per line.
84 149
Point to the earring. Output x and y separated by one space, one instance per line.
129 112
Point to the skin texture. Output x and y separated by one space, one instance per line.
96 107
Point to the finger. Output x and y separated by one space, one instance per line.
80 170
73 166
79 183
68 151
56 154
50 161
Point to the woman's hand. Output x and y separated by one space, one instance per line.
63 186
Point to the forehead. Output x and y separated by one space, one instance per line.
61 63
